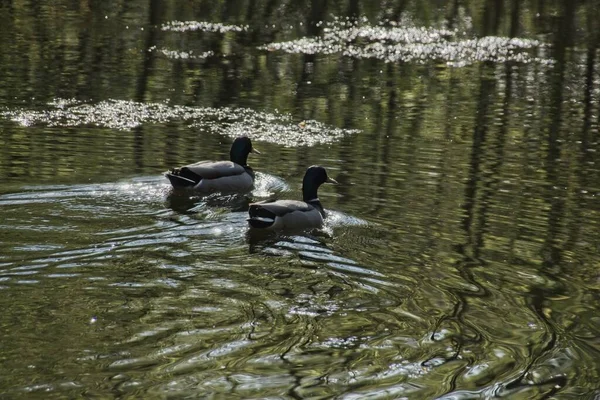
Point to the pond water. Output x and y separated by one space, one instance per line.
460 258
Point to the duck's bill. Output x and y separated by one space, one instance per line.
256 151
331 180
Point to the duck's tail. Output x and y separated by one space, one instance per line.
260 218
179 181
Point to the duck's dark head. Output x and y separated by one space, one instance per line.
241 147
314 177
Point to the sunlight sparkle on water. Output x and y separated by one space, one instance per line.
393 43
183 26
266 185
183 55
271 127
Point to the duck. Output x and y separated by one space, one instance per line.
218 176
293 214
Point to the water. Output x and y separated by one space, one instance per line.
460 257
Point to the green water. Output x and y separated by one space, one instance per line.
461 256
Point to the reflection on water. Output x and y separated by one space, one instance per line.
459 257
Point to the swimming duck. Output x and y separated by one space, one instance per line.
293 214
218 176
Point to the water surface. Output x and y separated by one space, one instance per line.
460 256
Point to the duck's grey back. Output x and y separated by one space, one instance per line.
293 214
215 169
283 207
220 176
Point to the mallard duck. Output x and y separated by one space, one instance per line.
293 214
218 176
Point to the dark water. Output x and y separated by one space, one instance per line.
461 256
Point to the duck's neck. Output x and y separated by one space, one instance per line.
309 192
238 158
309 195
316 203
249 171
